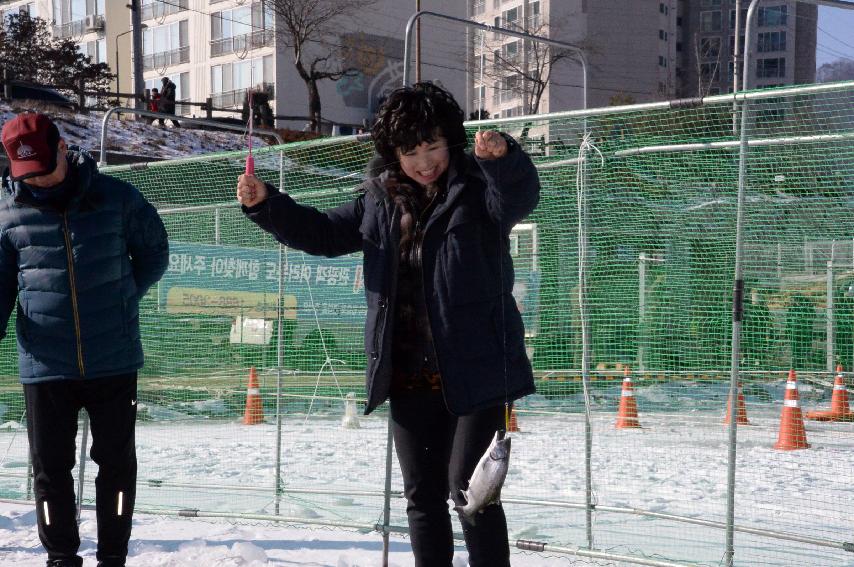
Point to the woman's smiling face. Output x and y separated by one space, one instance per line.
426 162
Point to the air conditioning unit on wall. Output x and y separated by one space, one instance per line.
94 23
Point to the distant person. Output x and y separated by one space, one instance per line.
78 249
154 105
167 100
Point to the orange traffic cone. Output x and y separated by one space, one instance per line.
627 416
254 410
792 433
514 424
741 411
839 410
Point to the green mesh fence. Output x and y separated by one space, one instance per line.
661 187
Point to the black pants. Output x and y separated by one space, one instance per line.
438 453
52 409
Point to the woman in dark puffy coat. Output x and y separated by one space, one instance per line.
443 334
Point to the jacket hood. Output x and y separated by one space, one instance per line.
379 170
79 159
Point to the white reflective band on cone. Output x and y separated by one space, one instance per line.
791 385
791 403
121 503
253 391
628 394
46 513
838 387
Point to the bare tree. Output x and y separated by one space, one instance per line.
528 63
839 70
307 28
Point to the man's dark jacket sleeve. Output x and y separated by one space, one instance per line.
148 243
8 283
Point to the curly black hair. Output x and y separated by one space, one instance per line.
417 114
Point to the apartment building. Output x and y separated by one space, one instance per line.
784 45
219 48
629 46
636 51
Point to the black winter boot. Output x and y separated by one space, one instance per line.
111 563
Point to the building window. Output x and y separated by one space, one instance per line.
70 17
662 35
743 20
774 67
710 72
678 46
166 45
160 8
478 7
96 50
534 16
663 8
510 53
710 21
510 18
678 20
241 75
773 16
509 88
710 47
772 41
662 61
479 97
240 29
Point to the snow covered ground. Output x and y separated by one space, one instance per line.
675 464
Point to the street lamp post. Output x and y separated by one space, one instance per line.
118 75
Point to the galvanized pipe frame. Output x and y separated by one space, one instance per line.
738 277
690 147
159 115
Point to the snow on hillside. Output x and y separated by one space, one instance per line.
134 137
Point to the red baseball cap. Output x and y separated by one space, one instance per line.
30 140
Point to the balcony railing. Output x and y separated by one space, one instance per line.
228 99
165 59
160 9
77 28
241 43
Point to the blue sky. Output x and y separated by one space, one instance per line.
835 35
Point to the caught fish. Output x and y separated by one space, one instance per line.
487 479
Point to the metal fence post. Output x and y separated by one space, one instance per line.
7 84
82 472
280 349
81 97
387 491
830 315
280 361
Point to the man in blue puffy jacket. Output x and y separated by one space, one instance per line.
78 249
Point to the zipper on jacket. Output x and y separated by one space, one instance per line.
417 246
74 307
389 300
